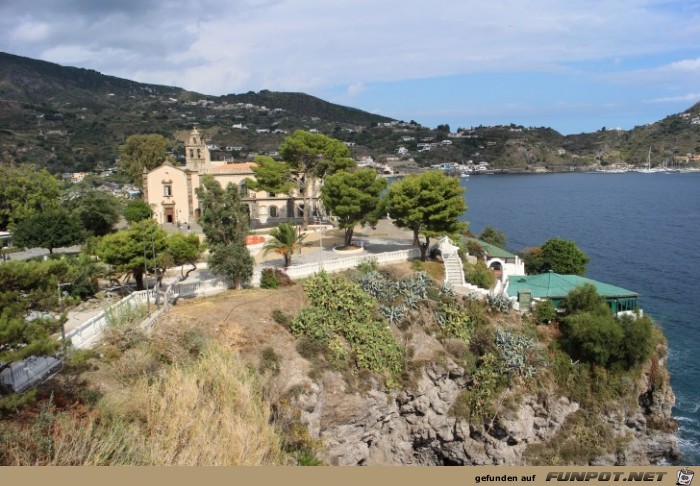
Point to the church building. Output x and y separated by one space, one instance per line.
170 190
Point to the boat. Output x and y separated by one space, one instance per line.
648 169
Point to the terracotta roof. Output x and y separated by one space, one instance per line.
238 167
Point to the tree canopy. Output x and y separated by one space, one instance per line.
25 191
225 222
493 236
354 198
271 175
137 210
49 229
563 256
131 250
429 204
97 211
306 156
141 152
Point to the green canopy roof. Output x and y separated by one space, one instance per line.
554 286
492 250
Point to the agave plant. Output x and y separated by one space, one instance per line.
499 302
373 286
447 290
393 313
515 351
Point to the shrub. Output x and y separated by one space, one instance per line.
367 266
270 362
341 309
479 274
544 311
638 340
584 299
282 318
593 338
268 279
282 278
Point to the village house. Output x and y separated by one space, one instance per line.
171 190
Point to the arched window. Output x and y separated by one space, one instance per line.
243 188
199 154
191 154
273 211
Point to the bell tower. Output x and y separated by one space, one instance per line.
196 152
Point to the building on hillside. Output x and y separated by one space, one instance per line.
525 289
171 190
502 262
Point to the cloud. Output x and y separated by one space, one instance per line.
305 43
684 72
686 98
355 89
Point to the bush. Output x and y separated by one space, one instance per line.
282 278
342 313
585 299
268 279
593 338
282 318
270 362
545 312
367 266
479 274
638 340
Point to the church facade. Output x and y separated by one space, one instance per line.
171 190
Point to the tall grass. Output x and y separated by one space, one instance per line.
205 409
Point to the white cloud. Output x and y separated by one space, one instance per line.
686 98
355 89
30 32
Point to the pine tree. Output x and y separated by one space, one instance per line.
225 223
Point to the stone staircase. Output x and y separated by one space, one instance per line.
454 272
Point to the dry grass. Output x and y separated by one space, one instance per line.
191 404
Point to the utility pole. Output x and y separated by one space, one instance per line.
63 324
145 277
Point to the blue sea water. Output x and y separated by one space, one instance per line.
641 232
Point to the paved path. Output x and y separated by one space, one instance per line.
385 238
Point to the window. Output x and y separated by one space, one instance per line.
167 190
273 211
272 194
191 154
243 188
199 154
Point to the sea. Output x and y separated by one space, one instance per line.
640 231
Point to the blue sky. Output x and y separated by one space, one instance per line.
574 65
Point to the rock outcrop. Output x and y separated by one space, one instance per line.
414 427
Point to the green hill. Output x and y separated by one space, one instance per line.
69 119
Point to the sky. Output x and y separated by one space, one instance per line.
573 65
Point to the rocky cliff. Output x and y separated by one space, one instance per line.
416 426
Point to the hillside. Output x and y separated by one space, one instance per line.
69 119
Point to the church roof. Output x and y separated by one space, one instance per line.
235 168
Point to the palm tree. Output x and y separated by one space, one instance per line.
285 241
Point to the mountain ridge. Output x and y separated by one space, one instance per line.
69 118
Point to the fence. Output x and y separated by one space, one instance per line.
308 269
89 332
